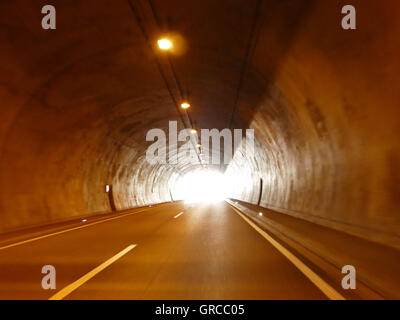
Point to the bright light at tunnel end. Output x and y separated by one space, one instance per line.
202 186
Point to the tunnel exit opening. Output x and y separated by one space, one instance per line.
202 186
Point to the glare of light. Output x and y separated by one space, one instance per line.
185 105
84 220
260 214
193 131
107 188
164 44
198 145
202 186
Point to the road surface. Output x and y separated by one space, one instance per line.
171 251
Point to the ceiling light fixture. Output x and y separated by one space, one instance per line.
164 44
185 105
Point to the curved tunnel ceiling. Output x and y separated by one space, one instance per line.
77 103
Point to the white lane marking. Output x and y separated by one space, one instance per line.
178 215
68 230
75 285
330 292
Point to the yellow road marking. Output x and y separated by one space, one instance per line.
330 292
178 215
75 285
68 230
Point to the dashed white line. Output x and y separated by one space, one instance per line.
75 285
178 215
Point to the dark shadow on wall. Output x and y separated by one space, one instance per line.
279 22
270 39
111 199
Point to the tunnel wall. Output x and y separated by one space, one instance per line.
76 105
327 121
75 113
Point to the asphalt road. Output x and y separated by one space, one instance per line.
181 252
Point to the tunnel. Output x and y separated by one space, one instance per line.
79 103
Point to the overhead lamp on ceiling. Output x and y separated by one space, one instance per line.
164 44
185 105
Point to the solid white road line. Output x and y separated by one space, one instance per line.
330 292
178 215
75 285
68 230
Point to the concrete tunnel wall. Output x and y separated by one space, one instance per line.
68 125
328 124
76 106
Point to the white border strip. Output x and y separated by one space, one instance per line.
330 292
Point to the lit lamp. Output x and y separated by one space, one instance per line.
185 105
164 44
